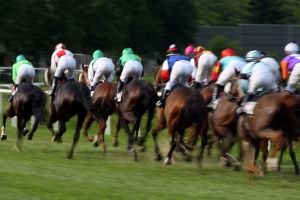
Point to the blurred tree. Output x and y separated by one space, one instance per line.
274 11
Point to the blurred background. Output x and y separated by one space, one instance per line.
34 27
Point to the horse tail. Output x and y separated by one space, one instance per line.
38 105
195 110
86 99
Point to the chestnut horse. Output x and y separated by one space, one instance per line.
275 118
206 93
29 101
103 105
184 108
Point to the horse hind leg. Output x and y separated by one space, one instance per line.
142 139
80 119
130 139
161 124
34 128
9 113
21 125
172 133
293 156
99 138
87 124
116 135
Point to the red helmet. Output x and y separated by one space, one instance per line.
60 46
198 49
228 52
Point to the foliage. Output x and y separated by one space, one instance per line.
219 43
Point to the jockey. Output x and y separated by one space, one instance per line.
131 66
100 69
273 64
189 51
22 70
175 69
62 63
291 63
256 75
229 66
203 62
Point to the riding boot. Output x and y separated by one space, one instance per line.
198 85
13 92
118 94
54 86
216 93
162 99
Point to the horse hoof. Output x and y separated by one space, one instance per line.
237 166
142 148
3 137
96 144
69 155
188 158
167 161
130 148
29 137
116 143
25 131
158 157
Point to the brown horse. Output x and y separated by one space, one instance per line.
29 101
223 122
138 97
206 93
184 108
275 118
72 98
103 105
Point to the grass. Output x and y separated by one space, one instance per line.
41 171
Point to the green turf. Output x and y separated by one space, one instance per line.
41 171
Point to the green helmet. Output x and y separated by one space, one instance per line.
127 51
20 58
97 54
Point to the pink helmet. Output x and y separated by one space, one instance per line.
188 50
60 46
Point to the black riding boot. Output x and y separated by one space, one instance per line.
216 93
118 94
54 86
163 97
218 89
13 92
198 85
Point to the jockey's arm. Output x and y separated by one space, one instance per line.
53 63
216 71
14 72
90 72
284 70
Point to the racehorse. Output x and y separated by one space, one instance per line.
71 98
103 105
205 91
138 97
28 101
223 122
275 118
184 108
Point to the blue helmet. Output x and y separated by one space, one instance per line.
253 55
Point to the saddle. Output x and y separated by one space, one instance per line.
248 107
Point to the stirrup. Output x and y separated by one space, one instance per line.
118 97
159 103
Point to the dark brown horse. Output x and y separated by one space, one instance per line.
184 108
103 105
29 101
138 97
72 98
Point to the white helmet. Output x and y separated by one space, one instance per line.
253 55
291 48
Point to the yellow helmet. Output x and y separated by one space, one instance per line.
199 49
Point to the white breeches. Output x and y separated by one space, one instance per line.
262 79
294 78
132 69
104 69
66 65
206 63
25 72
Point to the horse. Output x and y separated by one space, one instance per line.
205 91
28 101
275 118
223 122
103 105
138 97
71 98
184 108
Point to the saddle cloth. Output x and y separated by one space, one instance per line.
248 107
